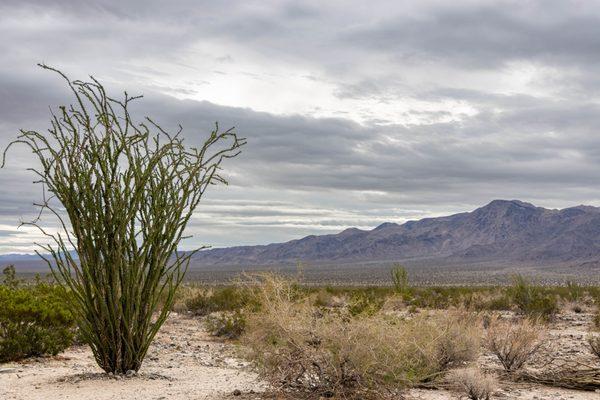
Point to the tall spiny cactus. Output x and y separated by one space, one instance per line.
128 191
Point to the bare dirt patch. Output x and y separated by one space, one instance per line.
183 363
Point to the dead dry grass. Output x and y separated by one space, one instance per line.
317 352
472 383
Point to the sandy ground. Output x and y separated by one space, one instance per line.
183 363
186 363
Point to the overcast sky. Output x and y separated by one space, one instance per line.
356 113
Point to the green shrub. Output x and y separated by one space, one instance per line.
365 302
229 325
34 321
228 298
532 300
574 291
399 278
10 277
199 304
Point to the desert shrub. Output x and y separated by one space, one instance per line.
34 321
226 298
323 298
199 303
513 342
594 344
531 300
9 277
328 352
486 300
596 319
399 278
459 338
365 302
574 291
226 324
183 294
496 302
472 383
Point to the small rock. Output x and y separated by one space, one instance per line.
130 373
237 392
7 370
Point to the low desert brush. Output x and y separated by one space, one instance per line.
594 344
365 302
34 321
513 343
596 319
531 300
472 383
227 298
229 325
331 352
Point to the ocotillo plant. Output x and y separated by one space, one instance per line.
399 278
128 190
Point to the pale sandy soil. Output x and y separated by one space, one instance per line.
186 363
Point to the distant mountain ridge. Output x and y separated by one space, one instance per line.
503 230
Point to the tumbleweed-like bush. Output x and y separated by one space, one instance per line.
317 352
593 342
128 191
514 342
472 383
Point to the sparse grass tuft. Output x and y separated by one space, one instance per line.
472 383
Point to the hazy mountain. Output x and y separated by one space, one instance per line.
506 231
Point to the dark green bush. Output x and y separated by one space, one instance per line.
34 321
531 300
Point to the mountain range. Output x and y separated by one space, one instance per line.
506 231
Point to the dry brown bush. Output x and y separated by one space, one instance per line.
183 295
594 344
596 319
329 352
514 342
472 383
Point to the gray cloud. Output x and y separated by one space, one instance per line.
425 108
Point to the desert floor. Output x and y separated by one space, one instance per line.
187 363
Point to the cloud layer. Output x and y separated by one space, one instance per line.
355 114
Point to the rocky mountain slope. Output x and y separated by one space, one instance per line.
507 231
